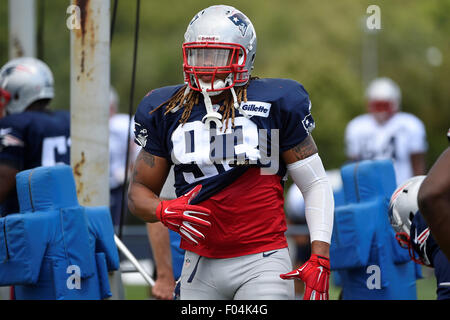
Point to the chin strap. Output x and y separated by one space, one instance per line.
211 115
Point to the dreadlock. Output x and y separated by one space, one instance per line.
187 101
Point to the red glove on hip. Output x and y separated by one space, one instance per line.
178 215
315 273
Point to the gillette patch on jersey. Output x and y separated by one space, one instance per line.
256 108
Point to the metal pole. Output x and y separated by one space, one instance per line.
89 107
22 28
369 54
134 261
89 102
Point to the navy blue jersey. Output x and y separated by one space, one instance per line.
31 139
279 118
429 251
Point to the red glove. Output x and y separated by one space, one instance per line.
315 273
178 215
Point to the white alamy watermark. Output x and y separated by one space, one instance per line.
374 280
212 152
373 21
74 279
74 20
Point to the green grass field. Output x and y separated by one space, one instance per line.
426 289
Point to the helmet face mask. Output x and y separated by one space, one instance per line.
214 61
403 239
219 50
381 110
376 106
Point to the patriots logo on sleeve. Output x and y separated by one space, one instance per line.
308 121
141 136
239 20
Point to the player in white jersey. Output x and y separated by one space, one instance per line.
387 133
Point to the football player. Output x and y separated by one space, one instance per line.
232 139
30 134
387 133
413 233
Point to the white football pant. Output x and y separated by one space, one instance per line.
250 277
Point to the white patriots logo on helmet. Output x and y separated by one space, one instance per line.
239 20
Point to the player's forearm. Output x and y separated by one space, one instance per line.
158 235
310 177
434 201
306 170
434 206
142 202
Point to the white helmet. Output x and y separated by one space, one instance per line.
220 40
24 81
402 209
403 205
383 97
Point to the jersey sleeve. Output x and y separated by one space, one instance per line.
12 145
148 128
296 119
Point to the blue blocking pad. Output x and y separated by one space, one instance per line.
54 248
364 254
